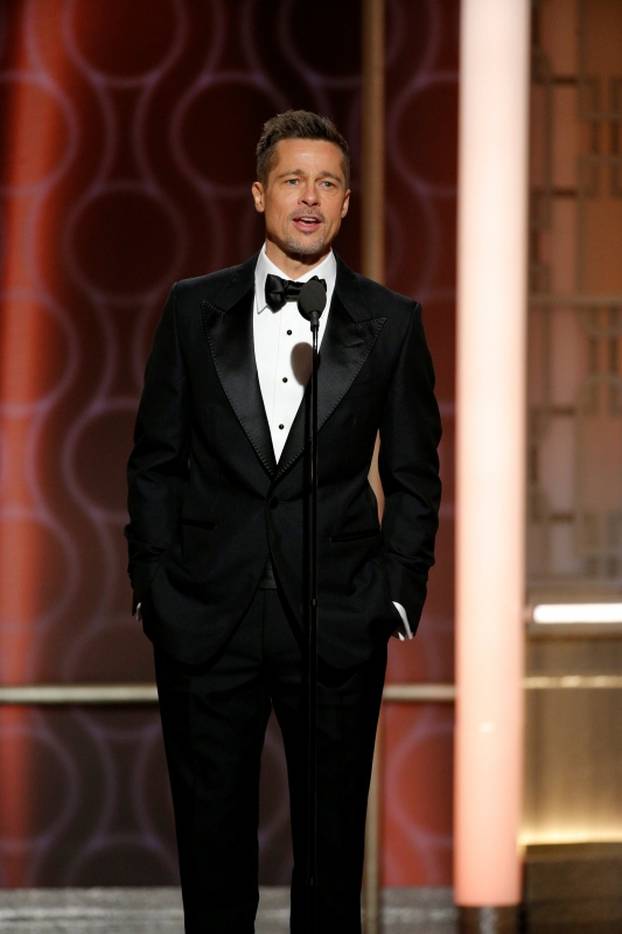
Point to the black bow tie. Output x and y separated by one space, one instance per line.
279 291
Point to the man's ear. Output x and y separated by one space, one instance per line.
346 203
257 191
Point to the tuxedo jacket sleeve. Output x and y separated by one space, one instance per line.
158 464
410 432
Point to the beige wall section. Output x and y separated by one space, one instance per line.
373 165
372 264
373 133
574 738
573 788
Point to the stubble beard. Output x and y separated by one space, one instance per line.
295 246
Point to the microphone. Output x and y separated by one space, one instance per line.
312 300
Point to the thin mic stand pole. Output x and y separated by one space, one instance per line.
312 613
311 303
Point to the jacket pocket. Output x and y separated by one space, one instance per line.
198 537
207 524
355 536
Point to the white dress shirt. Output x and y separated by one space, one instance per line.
283 354
283 349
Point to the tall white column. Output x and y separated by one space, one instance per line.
492 241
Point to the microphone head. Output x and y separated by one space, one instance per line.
312 298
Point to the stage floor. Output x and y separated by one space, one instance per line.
158 911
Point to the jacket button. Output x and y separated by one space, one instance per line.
274 502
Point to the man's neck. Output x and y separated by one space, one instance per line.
294 265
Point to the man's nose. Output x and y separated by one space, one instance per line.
308 195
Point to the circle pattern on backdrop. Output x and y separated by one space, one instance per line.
132 129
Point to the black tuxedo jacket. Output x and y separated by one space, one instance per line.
208 503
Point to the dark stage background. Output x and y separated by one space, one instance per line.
127 138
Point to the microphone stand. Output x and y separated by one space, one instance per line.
312 616
311 302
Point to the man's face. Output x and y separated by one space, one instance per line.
304 200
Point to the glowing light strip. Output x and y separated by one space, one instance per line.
570 835
19 694
550 613
490 450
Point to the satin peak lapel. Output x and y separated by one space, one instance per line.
348 340
229 332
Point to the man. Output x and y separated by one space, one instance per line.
217 502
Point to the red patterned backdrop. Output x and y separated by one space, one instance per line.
127 133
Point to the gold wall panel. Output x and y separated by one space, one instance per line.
573 787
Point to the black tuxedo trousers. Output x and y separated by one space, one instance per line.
214 718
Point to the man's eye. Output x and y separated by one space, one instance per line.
291 181
328 184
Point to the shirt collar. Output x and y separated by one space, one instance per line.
326 269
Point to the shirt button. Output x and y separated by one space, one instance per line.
285 379
281 426
289 332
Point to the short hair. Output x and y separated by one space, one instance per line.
297 124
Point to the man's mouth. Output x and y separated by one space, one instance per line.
307 223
